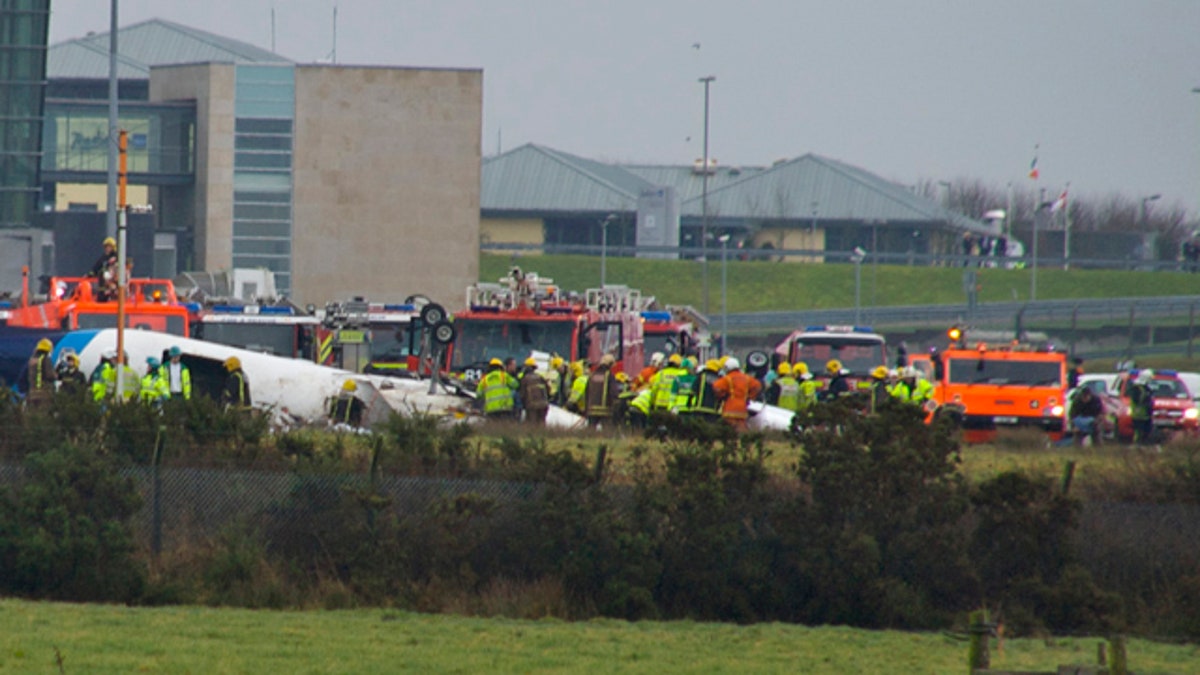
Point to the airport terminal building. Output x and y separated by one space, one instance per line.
341 180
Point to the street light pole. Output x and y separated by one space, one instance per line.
857 259
706 80
724 239
604 246
1144 216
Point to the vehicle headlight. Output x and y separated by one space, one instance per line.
1055 411
1191 414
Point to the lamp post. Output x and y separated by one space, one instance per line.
857 259
604 246
1144 214
706 80
724 239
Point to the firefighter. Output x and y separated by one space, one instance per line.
70 379
662 385
130 381
922 388
809 385
704 402
785 390
554 376
534 393
684 385
578 387
102 375
838 384
41 374
637 412
735 391
236 392
153 387
905 387
177 375
642 380
496 391
1141 407
601 392
107 262
879 387
347 407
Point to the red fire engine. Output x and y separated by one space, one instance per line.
79 302
525 313
676 330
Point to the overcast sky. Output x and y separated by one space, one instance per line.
908 89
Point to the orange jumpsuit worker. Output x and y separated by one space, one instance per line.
736 390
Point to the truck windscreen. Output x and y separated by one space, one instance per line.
391 343
1006 372
480 341
856 355
277 339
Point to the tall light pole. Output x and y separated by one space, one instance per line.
706 80
857 259
604 246
1144 213
724 239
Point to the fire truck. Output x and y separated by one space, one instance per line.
281 330
1008 385
525 313
74 303
374 337
676 330
859 349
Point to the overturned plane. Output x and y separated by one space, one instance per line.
291 388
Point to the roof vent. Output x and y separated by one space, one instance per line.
698 166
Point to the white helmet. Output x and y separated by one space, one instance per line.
1145 376
656 359
732 364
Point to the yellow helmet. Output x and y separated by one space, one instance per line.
531 362
556 362
675 360
73 358
880 373
784 369
496 362
233 363
712 364
800 368
833 367
350 385
577 368
44 345
109 241
622 377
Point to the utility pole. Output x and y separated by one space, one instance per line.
706 80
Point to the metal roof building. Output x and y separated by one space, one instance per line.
807 203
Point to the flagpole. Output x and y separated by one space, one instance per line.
1037 212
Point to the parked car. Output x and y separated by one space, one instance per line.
1175 411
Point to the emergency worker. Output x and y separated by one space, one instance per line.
534 393
684 385
497 390
785 390
104 269
662 385
554 376
809 385
177 376
648 371
236 392
131 382
838 384
40 370
347 407
735 390
923 388
602 390
578 387
153 387
879 387
637 410
102 375
1141 407
70 379
704 402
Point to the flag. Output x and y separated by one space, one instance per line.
1033 170
1060 203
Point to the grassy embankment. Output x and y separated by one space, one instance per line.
104 638
768 286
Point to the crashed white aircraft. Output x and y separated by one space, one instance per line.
288 387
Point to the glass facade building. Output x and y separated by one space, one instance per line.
23 35
264 110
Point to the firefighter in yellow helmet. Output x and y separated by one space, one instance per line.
578 387
838 384
879 387
347 407
555 375
496 391
703 402
784 390
534 393
662 384
236 392
809 385
41 375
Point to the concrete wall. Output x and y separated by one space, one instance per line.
386 183
209 206
513 231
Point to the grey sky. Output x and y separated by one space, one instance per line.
908 89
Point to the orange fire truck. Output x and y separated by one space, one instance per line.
525 313
1012 385
74 303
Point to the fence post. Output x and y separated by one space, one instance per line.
977 651
1119 665
1191 327
156 518
1132 313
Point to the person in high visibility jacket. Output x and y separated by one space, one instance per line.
684 385
904 387
662 385
922 390
153 386
602 392
879 387
785 390
40 370
347 407
638 409
703 402
647 373
497 391
578 387
70 379
131 383
809 385
236 392
177 375
102 375
554 376
735 391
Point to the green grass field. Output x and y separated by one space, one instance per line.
112 639
767 286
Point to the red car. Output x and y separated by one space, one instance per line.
1174 410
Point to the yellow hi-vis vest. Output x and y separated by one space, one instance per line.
497 389
789 393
